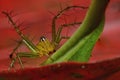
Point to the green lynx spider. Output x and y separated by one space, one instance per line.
45 46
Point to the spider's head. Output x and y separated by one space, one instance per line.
42 38
45 46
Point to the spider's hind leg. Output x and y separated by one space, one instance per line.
13 61
17 57
14 50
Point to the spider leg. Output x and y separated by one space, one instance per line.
12 63
64 37
59 37
14 50
18 56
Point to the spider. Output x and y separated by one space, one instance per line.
44 46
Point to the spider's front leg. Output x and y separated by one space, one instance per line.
58 37
56 34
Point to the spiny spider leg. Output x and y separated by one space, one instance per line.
14 50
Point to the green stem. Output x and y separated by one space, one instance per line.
92 20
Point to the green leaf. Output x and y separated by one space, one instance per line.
82 51
81 43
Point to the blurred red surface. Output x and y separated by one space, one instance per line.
31 11
68 71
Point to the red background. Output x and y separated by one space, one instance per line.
29 11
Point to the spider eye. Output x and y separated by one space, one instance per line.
42 38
